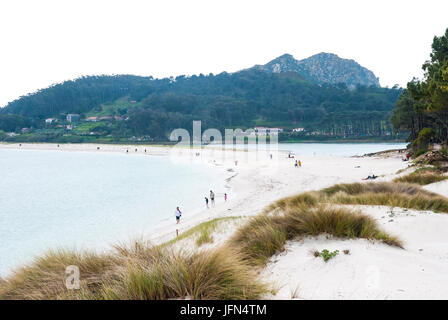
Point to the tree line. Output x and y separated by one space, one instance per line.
243 99
422 108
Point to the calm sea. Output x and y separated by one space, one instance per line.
51 199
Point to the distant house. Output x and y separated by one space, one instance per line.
69 127
298 129
25 130
50 120
92 119
73 117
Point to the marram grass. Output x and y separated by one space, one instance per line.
422 178
138 273
266 235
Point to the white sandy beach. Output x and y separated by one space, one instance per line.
370 271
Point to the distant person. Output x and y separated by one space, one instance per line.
271 156
178 214
300 163
212 198
225 196
206 202
296 164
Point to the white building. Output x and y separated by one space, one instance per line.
298 129
50 120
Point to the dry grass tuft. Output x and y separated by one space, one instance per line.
264 236
138 272
391 194
45 277
421 178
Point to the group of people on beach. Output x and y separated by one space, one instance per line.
212 199
297 163
178 213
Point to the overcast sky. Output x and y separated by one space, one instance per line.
45 42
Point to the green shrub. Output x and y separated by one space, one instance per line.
419 152
327 255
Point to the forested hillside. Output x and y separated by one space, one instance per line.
148 109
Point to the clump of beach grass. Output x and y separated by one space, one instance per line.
45 277
392 194
265 235
215 274
141 271
421 177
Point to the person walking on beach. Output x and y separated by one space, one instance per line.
225 197
212 198
206 202
296 164
300 163
178 214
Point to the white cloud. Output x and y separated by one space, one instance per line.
48 41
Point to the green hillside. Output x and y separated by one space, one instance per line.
147 109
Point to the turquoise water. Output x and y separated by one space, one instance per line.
51 199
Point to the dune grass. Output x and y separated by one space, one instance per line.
266 235
392 194
45 277
202 233
423 177
138 272
155 274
